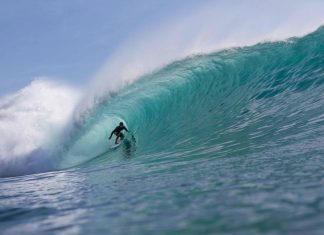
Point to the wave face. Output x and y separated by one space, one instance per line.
268 97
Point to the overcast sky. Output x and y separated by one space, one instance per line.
71 40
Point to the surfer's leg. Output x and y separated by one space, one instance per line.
116 141
121 135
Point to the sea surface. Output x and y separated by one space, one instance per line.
225 143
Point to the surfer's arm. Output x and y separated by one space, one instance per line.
112 133
126 129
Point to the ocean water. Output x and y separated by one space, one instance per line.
224 143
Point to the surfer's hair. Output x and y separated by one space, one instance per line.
121 123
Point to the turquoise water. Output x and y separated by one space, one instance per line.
224 143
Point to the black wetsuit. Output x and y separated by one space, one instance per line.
118 129
118 132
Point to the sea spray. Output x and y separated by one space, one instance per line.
32 124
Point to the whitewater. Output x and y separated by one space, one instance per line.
229 142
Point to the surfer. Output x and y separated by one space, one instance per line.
118 132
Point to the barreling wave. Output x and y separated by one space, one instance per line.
233 102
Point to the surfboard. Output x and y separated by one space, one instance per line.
114 146
125 140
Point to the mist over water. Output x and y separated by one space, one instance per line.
229 142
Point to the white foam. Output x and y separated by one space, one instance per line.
31 122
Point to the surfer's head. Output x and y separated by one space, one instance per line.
121 124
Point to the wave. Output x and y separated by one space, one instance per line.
233 102
236 101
